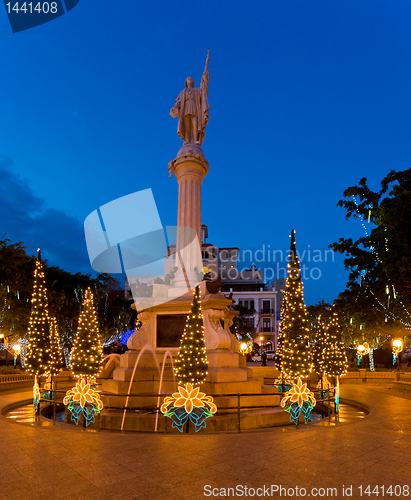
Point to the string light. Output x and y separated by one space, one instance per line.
335 362
83 399
396 297
87 351
295 358
192 364
39 349
189 404
299 399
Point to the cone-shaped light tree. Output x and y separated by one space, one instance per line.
87 351
56 358
335 362
320 340
191 364
39 349
280 341
296 356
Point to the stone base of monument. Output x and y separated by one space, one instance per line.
153 345
159 338
221 422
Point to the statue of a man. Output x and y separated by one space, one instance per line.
192 107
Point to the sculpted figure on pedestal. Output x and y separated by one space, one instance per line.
191 108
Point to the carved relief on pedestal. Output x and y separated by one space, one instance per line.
141 336
216 336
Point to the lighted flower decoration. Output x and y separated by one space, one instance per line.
188 403
283 384
299 399
83 398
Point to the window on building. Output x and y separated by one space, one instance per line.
266 324
240 302
246 304
266 305
251 304
281 283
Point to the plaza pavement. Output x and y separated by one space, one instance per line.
56 463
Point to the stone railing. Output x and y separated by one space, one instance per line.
363 373
389 375
405 378
12 378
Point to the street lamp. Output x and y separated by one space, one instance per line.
16 351
362 350
396 349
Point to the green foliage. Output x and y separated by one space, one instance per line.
65 296
243 310
16 286
87 352
39 349
191 364
377 297
295 356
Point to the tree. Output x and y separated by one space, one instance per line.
87 352
56 356
296 359
191 364
281 338
38 355
378 292
320 342
16 287
64 297
335 361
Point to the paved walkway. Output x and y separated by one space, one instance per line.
56 463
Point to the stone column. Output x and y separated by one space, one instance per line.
190 167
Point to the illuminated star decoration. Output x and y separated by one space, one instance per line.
83 399
188 403
299 399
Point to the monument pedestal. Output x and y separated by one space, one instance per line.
161 330
163 321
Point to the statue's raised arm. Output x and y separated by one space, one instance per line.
191 108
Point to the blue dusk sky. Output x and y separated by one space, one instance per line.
305 99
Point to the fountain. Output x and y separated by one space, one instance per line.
163 311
